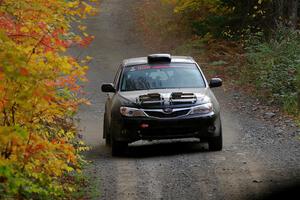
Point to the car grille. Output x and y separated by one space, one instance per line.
162 114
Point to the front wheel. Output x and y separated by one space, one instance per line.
216 143
118 147
107 140
106 133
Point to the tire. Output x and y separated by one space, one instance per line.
107 140
117 147
216 143
106 133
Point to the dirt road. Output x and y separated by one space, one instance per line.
259 156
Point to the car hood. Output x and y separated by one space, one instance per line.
203 95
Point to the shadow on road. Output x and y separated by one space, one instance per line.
164 149
150 150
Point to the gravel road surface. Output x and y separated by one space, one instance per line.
261 151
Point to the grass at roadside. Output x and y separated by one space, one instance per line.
87 186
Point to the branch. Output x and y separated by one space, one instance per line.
35 46
13 111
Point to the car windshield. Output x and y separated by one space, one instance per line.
173 75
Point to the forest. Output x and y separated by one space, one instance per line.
255 43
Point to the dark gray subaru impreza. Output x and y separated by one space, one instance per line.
161 97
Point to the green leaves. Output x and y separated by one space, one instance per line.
21 132
273 66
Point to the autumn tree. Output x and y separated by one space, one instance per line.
220 17
39 87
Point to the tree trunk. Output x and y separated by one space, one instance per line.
293 13
298 89
298 103
279 6
278 9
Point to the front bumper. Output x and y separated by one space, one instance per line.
133 129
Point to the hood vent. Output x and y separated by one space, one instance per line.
182 98
150 99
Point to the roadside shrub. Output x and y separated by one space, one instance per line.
273 66
212 24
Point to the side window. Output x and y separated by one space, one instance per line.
116 79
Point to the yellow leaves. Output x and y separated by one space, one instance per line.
24 29
69 169
70 135
81 149
85 34
200 8
73 4
81 8
82 28
71 189
258 10
38 90
261 12
88 8
87 59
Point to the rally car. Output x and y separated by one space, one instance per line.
161 97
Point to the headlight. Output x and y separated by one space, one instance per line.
202 109
131 112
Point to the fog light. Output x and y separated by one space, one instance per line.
144 125
124 132
211 129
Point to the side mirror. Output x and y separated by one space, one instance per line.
215 82
108 87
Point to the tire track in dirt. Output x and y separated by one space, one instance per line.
150 186
126 178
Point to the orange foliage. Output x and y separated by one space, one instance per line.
39 85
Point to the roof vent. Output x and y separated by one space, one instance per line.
159 58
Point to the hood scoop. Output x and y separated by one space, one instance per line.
150 99
182 98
